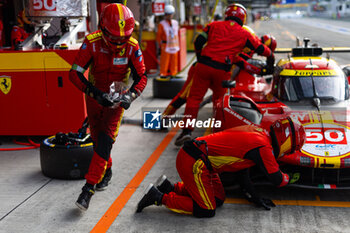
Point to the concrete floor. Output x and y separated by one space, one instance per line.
31 202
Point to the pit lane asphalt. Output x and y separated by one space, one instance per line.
31 202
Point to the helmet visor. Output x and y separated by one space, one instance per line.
115 40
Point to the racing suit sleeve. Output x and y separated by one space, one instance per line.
241 62
200 41
138 70
255 44
264 158
81 63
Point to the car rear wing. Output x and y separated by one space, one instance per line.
312 51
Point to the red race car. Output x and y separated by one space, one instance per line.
312 89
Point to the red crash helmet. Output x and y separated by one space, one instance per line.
288 134
236 12
116 23
269 41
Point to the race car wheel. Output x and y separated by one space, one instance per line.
167 88
68 160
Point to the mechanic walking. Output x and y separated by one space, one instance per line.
109 53
224 41
201 160
168 41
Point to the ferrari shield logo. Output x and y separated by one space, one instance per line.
5 84
121 23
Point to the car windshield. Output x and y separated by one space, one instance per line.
324 87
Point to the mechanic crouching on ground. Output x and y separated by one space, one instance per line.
234 150
109 53
224 41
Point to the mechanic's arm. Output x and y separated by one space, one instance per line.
138 71
200 41
160 37
241 62
255 44
76 76
264 158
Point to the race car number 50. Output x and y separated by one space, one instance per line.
44 5
328 136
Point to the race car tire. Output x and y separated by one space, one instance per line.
65 162
167 88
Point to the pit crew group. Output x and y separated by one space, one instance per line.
111 52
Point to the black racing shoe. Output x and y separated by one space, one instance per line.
105 181
84 198
164 185
184 137
152 197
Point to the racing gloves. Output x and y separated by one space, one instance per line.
126 99
270 65
101 97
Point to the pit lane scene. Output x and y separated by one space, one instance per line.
309 83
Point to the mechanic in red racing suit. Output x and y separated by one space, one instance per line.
109 54
241 62
199 162
224 41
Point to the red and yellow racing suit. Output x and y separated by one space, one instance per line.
18 35
105 67
224 41
182 96
200 161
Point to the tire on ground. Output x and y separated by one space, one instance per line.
65 162
167 88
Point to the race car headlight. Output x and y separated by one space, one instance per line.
305 161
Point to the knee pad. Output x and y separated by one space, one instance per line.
202 213
104 146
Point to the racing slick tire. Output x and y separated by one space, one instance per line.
68 162
167 88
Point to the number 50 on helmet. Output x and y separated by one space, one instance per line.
117 24
287 136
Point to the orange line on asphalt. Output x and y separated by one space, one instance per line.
290 35
112 213
295 202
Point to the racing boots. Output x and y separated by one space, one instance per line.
152 196
164 185
85 197
105 181
184 137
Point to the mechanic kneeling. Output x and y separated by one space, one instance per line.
234 150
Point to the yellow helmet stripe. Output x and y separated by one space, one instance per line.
121 20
